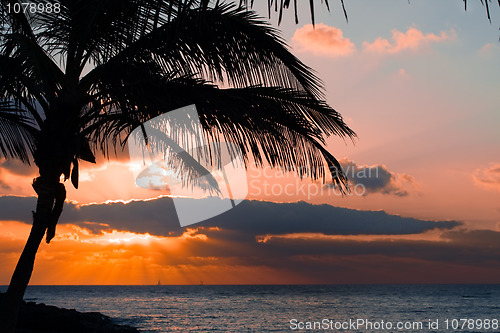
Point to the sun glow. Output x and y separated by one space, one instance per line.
79 256
125 237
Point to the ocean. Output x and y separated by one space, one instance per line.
286 308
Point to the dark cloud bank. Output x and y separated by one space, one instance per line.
460 256
251 217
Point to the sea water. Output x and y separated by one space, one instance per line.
290 308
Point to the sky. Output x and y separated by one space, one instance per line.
417 82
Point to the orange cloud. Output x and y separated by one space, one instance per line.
110 257
323 40
15 177
433 235
412 40
218 256
489 177
114 257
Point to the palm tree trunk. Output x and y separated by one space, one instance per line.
46 191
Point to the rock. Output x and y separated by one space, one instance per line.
38 318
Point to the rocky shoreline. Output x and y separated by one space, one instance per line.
38 318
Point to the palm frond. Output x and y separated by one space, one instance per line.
18 85
97 30
282 126
38 74
283 5
16 133
15 21
486 4
225 44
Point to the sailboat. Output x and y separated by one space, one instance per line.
159 283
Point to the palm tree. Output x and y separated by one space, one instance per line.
78 78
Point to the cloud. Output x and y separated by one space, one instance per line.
377 179
16 167
413 40
218 255
323 40
458 257
4 185
15 176
489 177
488 50
300 246
330 41
480 246
248 219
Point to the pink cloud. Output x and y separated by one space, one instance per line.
322 40
413 40
489 177
488 50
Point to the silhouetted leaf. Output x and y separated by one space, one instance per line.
84 151
74 173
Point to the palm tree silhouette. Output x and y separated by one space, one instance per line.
77 78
